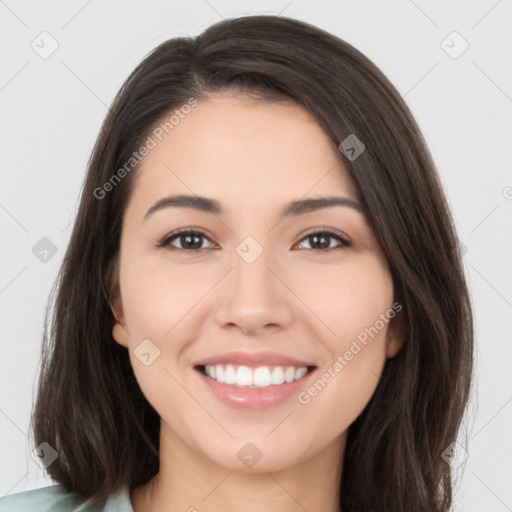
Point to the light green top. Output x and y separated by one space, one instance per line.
54 498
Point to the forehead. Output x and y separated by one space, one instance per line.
246 152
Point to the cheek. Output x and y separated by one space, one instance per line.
156 296
154 300
354 302
346 298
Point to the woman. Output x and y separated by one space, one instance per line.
262 304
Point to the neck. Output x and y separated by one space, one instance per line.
189 482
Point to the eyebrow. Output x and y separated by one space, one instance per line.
292 209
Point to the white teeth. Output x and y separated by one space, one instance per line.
300 372
261 377
278 375
244 376
211 371
289 374
230 375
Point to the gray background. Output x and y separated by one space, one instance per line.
52 109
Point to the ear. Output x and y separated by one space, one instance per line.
396 333
119 332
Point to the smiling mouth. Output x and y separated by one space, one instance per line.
254 377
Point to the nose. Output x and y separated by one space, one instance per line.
253 297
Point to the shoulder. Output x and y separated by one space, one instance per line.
55 498
52 498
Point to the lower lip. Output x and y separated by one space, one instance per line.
254 398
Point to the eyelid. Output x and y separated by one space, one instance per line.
165 241
332 233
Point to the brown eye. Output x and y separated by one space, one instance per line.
190 241
321 240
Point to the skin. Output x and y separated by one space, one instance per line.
253 157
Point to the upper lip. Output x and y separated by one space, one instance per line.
253 359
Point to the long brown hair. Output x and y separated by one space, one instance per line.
89 406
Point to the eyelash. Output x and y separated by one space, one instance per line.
165 242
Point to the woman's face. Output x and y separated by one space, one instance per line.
251 280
